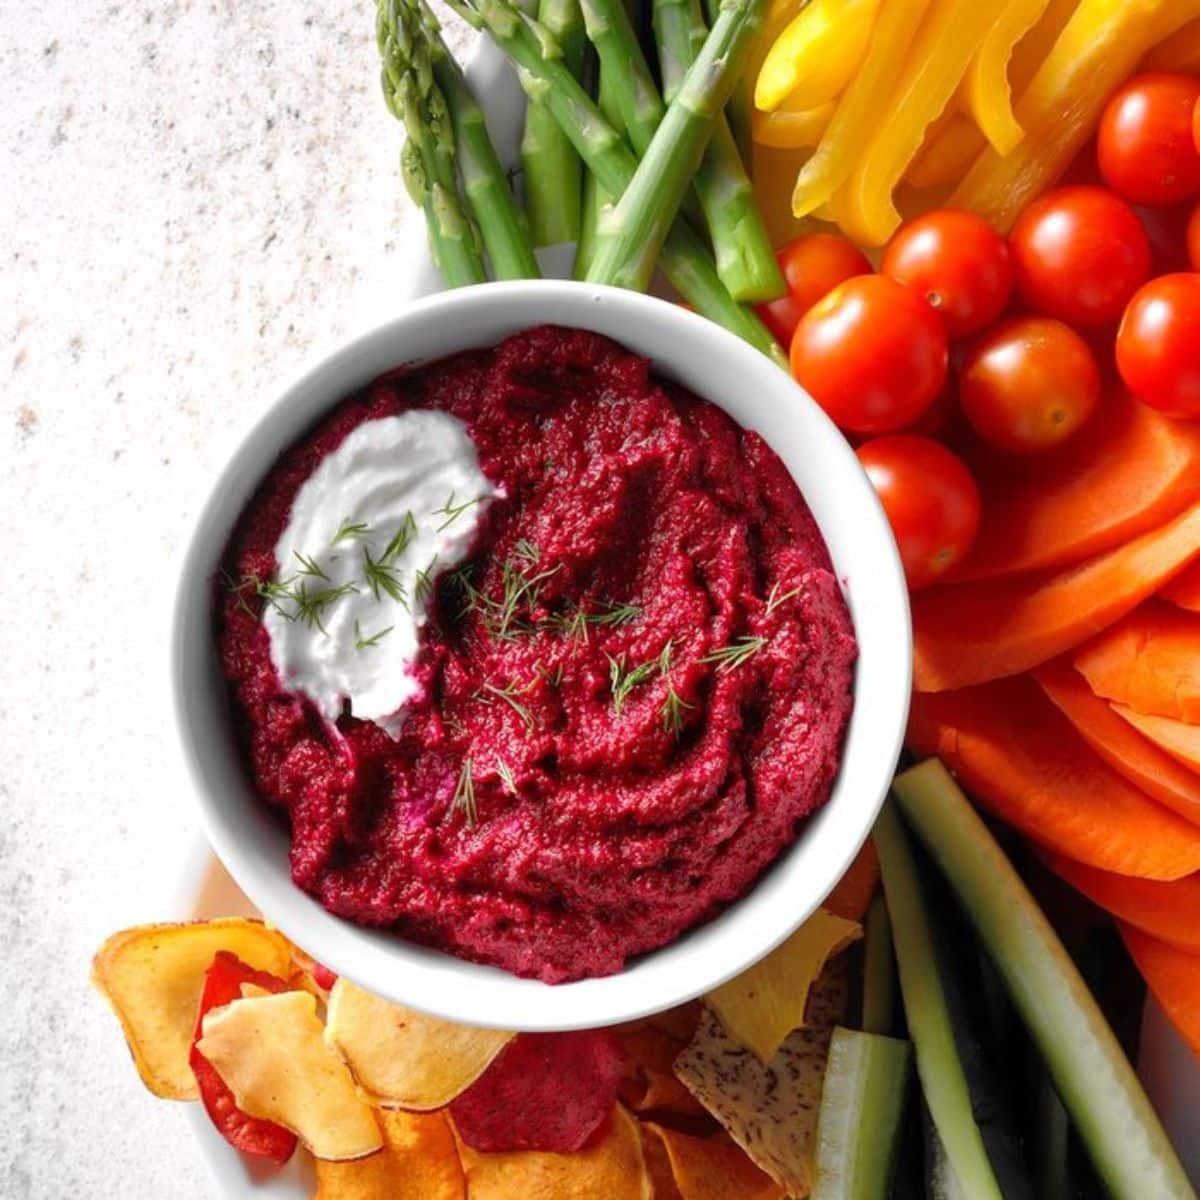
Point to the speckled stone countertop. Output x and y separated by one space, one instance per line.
197 198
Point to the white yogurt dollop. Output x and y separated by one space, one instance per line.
394 506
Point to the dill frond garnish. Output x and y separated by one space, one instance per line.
423 581
775 599
452 511
506 776
622 679
573 624
612 613
348 530
383 578
520 593
307 604
309 566
727 658
509 694
400 539
463 800
553 678
673 704
239 588
362 642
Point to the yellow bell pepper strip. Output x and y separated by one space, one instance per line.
859 107
954 142
792 130
986 88
773 170
1179 52
1100 47
945 43
814 58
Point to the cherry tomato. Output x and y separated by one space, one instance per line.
958 263
1028 384
873 354
1080 253
252 1135
812 265
1158 345
1193 237
930 499
1145 148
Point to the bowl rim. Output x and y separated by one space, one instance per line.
433 981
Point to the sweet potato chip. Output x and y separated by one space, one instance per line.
853 893
419 1161
402 1058
152 976
271 1053
648 1082
611 1168
703 1168
544 1091
761 1006
770 1111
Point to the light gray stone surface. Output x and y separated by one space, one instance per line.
196 198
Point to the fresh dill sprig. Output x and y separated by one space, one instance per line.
463 800
423 581
362 643
727 658
574 623
506 776
452 511
520 591
309 566
553 678
622 679
509 694
775 599
613 613
400 539
383 578
524 548
673 704
349 529
239 587
309 604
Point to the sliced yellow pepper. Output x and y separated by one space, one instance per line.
790 129
954 141
985 88
858 108
944 46
1100 47
814 58
1180 52
774 170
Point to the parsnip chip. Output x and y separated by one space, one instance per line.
761 1006
271 1053
402 1058
770 1111
152 976
418 1162
611 1168
703 1168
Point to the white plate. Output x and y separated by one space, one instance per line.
1170 1072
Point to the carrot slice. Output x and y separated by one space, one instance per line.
1173 976
1024 763
1170 911
1181 741
853 893
1129 470
1149 661
1184 589
1118 743
967 633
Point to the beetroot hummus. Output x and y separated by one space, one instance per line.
630 695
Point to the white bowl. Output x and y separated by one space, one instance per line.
712 363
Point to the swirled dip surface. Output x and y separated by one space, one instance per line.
622 704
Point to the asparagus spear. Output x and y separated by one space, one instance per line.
427 162
595 197
550 167
544 77
501 222
740 108
745 259
634 230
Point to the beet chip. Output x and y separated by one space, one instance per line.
544 1091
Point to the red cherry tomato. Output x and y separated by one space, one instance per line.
873 354
252 1135
813 265
930 499
1193 237
1145 147
1080 253
959 263
1158 345
1028 384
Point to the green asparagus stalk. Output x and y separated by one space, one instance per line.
595 197
745 258
685 258
740 108
550 167
501 222
634 230
427 162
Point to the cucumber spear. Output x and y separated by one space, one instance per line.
685 259
634 230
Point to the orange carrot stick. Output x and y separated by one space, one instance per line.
968 633
1118 743
1173 976
1023 762
1179 740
